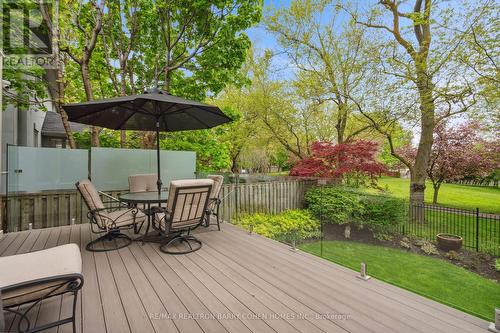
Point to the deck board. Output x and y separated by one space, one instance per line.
347 292
236 282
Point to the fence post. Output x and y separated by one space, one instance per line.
477 229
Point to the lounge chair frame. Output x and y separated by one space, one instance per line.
70 283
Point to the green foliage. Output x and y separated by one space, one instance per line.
382 214
334 203
108 139
340 205
211 150
497 264
287 226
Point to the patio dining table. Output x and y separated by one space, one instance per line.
147 199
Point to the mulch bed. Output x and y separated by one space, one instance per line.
477 262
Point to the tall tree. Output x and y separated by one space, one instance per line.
82 23
55 30
330 53
416 63
121 27
194 48
278 107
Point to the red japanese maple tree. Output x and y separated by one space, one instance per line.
348 161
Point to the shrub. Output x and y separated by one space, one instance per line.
429 248
452 255
287 226
340 205
382 214
405 244
334 204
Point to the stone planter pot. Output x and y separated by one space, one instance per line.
447 242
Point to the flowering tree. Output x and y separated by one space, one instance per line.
350 161
458 152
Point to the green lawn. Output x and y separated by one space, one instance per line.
487 199
430 277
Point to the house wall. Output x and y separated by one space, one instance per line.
18 128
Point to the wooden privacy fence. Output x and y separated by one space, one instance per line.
57 208
268 197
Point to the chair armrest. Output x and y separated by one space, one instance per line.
69 283
112 200
133 210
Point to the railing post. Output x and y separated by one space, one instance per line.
477 229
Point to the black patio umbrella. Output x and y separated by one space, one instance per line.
153 110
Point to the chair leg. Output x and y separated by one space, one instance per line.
109 237
23 316
217 215
189 239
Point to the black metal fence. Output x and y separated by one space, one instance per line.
480 231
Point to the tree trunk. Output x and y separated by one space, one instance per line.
234 164
94 141
56 33
341 123
436 192
427 122
59 102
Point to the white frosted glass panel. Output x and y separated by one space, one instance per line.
110 167
34 169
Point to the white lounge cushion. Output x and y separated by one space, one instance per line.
56 261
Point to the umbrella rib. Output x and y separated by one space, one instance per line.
164 122
126 119
139 109
198 119
222 115
86 114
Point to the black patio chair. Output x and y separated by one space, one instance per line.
213 208
109 221
186 209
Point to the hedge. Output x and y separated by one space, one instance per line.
287 226
381 214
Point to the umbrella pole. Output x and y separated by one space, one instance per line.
158 182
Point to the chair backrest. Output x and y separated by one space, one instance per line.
142 182
218 181
93 200
187 202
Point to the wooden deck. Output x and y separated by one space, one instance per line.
236 283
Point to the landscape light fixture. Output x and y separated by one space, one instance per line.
495 327
363 276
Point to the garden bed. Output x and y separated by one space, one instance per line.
477 262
